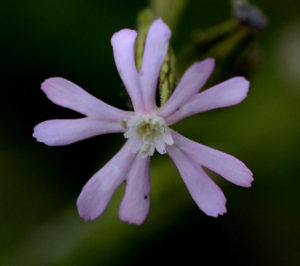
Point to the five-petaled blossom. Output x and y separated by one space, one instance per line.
147 129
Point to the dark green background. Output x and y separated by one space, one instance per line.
39 185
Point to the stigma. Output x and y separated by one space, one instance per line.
147 133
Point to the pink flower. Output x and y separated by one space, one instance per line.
147 129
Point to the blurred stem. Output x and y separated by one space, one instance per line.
144 20
213 34
169 10
229 44
220 41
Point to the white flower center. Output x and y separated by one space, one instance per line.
148 132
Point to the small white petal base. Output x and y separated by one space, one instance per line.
148 132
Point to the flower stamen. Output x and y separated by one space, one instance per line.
149 132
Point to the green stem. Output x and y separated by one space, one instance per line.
144 20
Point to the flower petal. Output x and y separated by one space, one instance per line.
208 196
59 132
168 138
156 47
221 163
98 191
227 93
191 82
67 94
136 201
123 43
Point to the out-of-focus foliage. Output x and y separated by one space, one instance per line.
39 185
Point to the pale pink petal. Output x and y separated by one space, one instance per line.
98 191
227 93
136 201
221 163
123 43
59 132
67 94
156 47
208 196
190 84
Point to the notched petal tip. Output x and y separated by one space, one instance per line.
218 212
35 134
137 222
83 215
217 215
247 181
46 82
216 207
39 134
87 217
